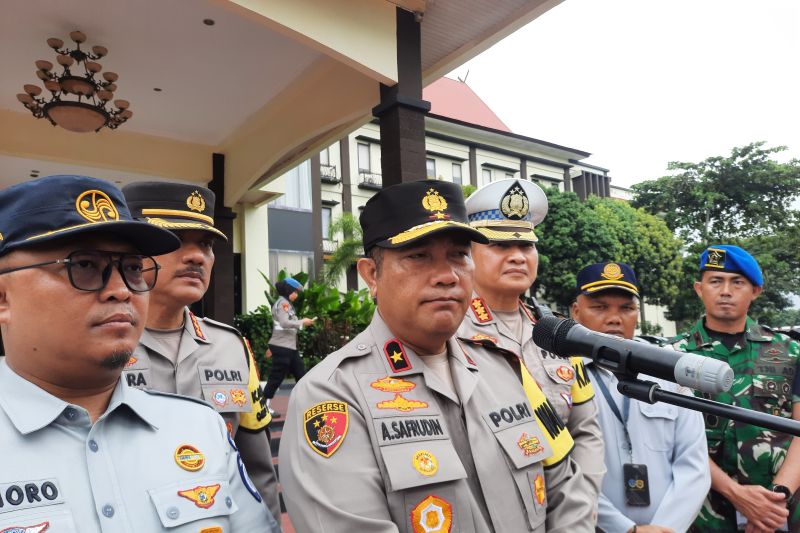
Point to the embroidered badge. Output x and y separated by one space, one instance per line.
214 529
219 398
432 515
529 445
483 337
716 258
396 355
96 206
479 308
435 203
325 426
131 362
195 202
565 372
612 271
538 489
196 326
402 404
202 496
514 203
425 463
285 306
239 396
390 384
38 528
567 398
189 458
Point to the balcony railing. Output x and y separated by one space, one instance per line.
369 180
329 246
329 174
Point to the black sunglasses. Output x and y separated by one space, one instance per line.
91 270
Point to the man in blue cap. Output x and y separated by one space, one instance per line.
755 473
656 455
82 451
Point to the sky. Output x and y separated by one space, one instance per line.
640 83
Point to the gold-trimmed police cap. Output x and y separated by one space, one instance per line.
57 207
599 277
402 214
173 206
507 210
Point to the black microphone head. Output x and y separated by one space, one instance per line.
550 331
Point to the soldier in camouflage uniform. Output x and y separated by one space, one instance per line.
755 472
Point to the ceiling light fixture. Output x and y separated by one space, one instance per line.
78 102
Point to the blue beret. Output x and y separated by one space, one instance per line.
56 207
604 276
293 283
730 258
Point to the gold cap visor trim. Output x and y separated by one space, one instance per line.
178 213
509 233
183 225
597 286
417 232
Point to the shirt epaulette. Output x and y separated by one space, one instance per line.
222 325
178 397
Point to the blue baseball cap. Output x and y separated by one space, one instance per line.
55 207
732 259
293 283
599 277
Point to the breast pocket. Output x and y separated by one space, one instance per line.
52 519
206 502
660 435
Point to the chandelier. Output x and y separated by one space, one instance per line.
79 101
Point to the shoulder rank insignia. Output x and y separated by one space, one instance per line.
482 313
396 355
189 458
402 404
432 515
390 384
325 426
202 496
38 528
196 326
483 337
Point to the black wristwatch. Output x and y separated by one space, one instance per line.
783 490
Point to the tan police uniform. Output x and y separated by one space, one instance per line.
373 442
563 380
214 363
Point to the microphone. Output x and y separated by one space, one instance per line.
568 338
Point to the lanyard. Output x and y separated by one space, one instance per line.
626 407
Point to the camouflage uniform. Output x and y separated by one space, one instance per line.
764 381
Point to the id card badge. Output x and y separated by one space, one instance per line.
637 486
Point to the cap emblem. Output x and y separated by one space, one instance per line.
716 258
612 271
514 204
96 206
195 202
433 201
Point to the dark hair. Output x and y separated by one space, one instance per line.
376 254
284 289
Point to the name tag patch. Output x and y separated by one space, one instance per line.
409 429
20 495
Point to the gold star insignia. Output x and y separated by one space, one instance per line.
397 357
324 418
332 420
316 423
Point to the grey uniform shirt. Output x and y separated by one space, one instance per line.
213 364
563 380
373 442
285 324
60 473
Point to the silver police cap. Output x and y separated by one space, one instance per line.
507 210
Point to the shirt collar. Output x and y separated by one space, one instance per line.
31 408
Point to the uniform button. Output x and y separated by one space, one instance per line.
108 511
70 413
229 502
362 346
93 446
173 513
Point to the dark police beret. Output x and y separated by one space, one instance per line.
402 214
55 207
604 276
732 259
174 206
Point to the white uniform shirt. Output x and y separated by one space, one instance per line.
671 441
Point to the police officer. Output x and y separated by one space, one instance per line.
193 356
755 473
656 454
407 429
506 212
81 450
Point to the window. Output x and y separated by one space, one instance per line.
325 157
509 175
363 158
457 174
487 176
290 262
298 188
327 215
430 167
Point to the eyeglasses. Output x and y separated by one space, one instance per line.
91 270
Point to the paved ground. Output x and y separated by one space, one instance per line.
279 403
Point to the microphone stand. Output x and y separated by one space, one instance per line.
647 391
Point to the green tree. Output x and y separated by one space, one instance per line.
348 250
